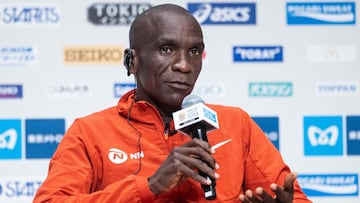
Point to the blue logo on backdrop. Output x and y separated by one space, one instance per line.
43 137
353 135
300 13
10 139
329 184
18 55
258 54
34 14
270 89
21 189
323 135
11 91
223 13
121 88
270 126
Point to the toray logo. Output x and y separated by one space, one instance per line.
323 135
11 91
320 13
10 139
118 156
329 184
270 126
115 13
270 89
122 88
26 15
258 54
353 135
223 13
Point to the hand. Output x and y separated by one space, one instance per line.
182 163
283 194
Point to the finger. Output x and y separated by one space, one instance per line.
289 182
252 197
266 197
243 199
199 143
193 163
196 153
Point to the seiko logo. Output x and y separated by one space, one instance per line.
118 156
18 55
34 14
115 14
270 89
257 54
8 139
321 13
93 55
329 136
223 13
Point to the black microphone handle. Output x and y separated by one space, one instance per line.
199 131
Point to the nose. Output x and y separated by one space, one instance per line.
183 62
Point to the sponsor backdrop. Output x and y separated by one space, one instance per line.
293 65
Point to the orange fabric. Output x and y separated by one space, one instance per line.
81 169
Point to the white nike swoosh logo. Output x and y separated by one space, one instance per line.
220 144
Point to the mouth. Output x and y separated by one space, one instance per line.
179 85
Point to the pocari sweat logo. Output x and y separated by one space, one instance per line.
270 126
320 13
353 135
329 184
122 88
270 89
258 53
223 13
43 137
29 15
323 135
20 55
10 139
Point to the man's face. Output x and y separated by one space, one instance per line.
169 60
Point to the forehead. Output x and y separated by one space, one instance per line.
171 27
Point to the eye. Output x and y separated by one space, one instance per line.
195 52
165 50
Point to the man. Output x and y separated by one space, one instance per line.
131 152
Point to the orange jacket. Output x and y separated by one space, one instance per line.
98 159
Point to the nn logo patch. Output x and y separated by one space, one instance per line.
323 135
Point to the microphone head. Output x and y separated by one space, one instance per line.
190 100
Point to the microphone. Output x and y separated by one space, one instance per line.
196 119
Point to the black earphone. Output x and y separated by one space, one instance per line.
128 61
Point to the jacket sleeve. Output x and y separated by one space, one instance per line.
71 177
264 164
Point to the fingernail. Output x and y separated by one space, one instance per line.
217 175
217 166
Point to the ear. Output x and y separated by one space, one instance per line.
129 56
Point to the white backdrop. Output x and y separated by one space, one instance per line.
45 80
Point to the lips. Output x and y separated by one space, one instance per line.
179 85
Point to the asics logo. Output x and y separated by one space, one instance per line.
328 136
8 139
